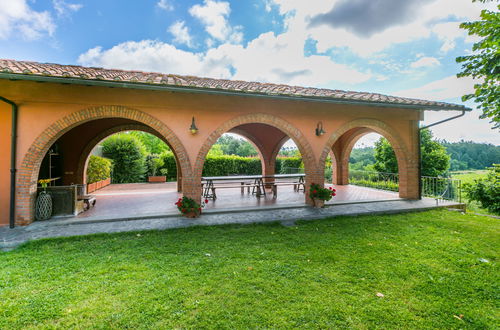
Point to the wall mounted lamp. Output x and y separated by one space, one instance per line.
193 129
319 129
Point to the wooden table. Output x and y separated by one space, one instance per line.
257 182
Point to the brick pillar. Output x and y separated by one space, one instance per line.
191 187
409 173
340 165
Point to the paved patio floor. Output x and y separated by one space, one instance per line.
120 201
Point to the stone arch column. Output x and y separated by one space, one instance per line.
84 157
343 139
30 165
310 165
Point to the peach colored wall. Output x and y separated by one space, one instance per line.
5 131
42 104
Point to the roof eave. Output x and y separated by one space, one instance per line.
199 90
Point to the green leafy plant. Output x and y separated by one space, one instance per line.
154 163
187 205
325 194
486 191
484 64
44 183
128 155
98 169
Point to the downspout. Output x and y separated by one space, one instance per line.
13 170
420 149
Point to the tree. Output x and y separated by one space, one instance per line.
487 191
153 144
128 156
484 64
435 160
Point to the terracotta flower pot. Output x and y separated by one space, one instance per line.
191 214
319 203
155 179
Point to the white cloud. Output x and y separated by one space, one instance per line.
165 5
17 16
426 21
214 15
155 56
181 33
63 8
269 58
443 89
425 62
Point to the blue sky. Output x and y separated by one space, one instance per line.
395 47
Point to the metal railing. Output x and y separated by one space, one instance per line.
441 189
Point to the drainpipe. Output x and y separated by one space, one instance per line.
13 170
420 149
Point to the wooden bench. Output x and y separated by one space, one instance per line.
274 186
88 201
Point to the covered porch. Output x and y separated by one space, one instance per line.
138 200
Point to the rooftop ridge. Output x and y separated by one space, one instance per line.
47 70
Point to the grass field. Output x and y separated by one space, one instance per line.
469 177
434 269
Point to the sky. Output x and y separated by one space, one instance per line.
404 48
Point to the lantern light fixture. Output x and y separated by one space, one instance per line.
319 129
193 129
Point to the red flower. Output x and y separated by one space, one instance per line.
183 210
206 200
199 209
315 191
330 188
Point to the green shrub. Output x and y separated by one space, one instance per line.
222 165
169 165
288 164
229 165
153 164
128 156
486 191
98 169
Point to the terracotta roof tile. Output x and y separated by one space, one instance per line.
139 77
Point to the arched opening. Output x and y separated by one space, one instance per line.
355 173
270 187
111 164
71 139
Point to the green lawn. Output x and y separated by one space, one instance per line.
469 177
435 269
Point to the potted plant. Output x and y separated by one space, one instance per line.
43 204
319 195
154 164
189 208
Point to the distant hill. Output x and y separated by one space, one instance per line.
465 155
468 155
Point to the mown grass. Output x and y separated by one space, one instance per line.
469 177
435 269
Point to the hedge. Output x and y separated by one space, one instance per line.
230 164
98 169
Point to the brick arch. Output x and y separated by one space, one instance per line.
310 166
255 142
30 165
347 135
84 157
368 125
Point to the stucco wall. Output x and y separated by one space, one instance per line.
43 104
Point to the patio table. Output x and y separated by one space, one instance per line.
208 183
